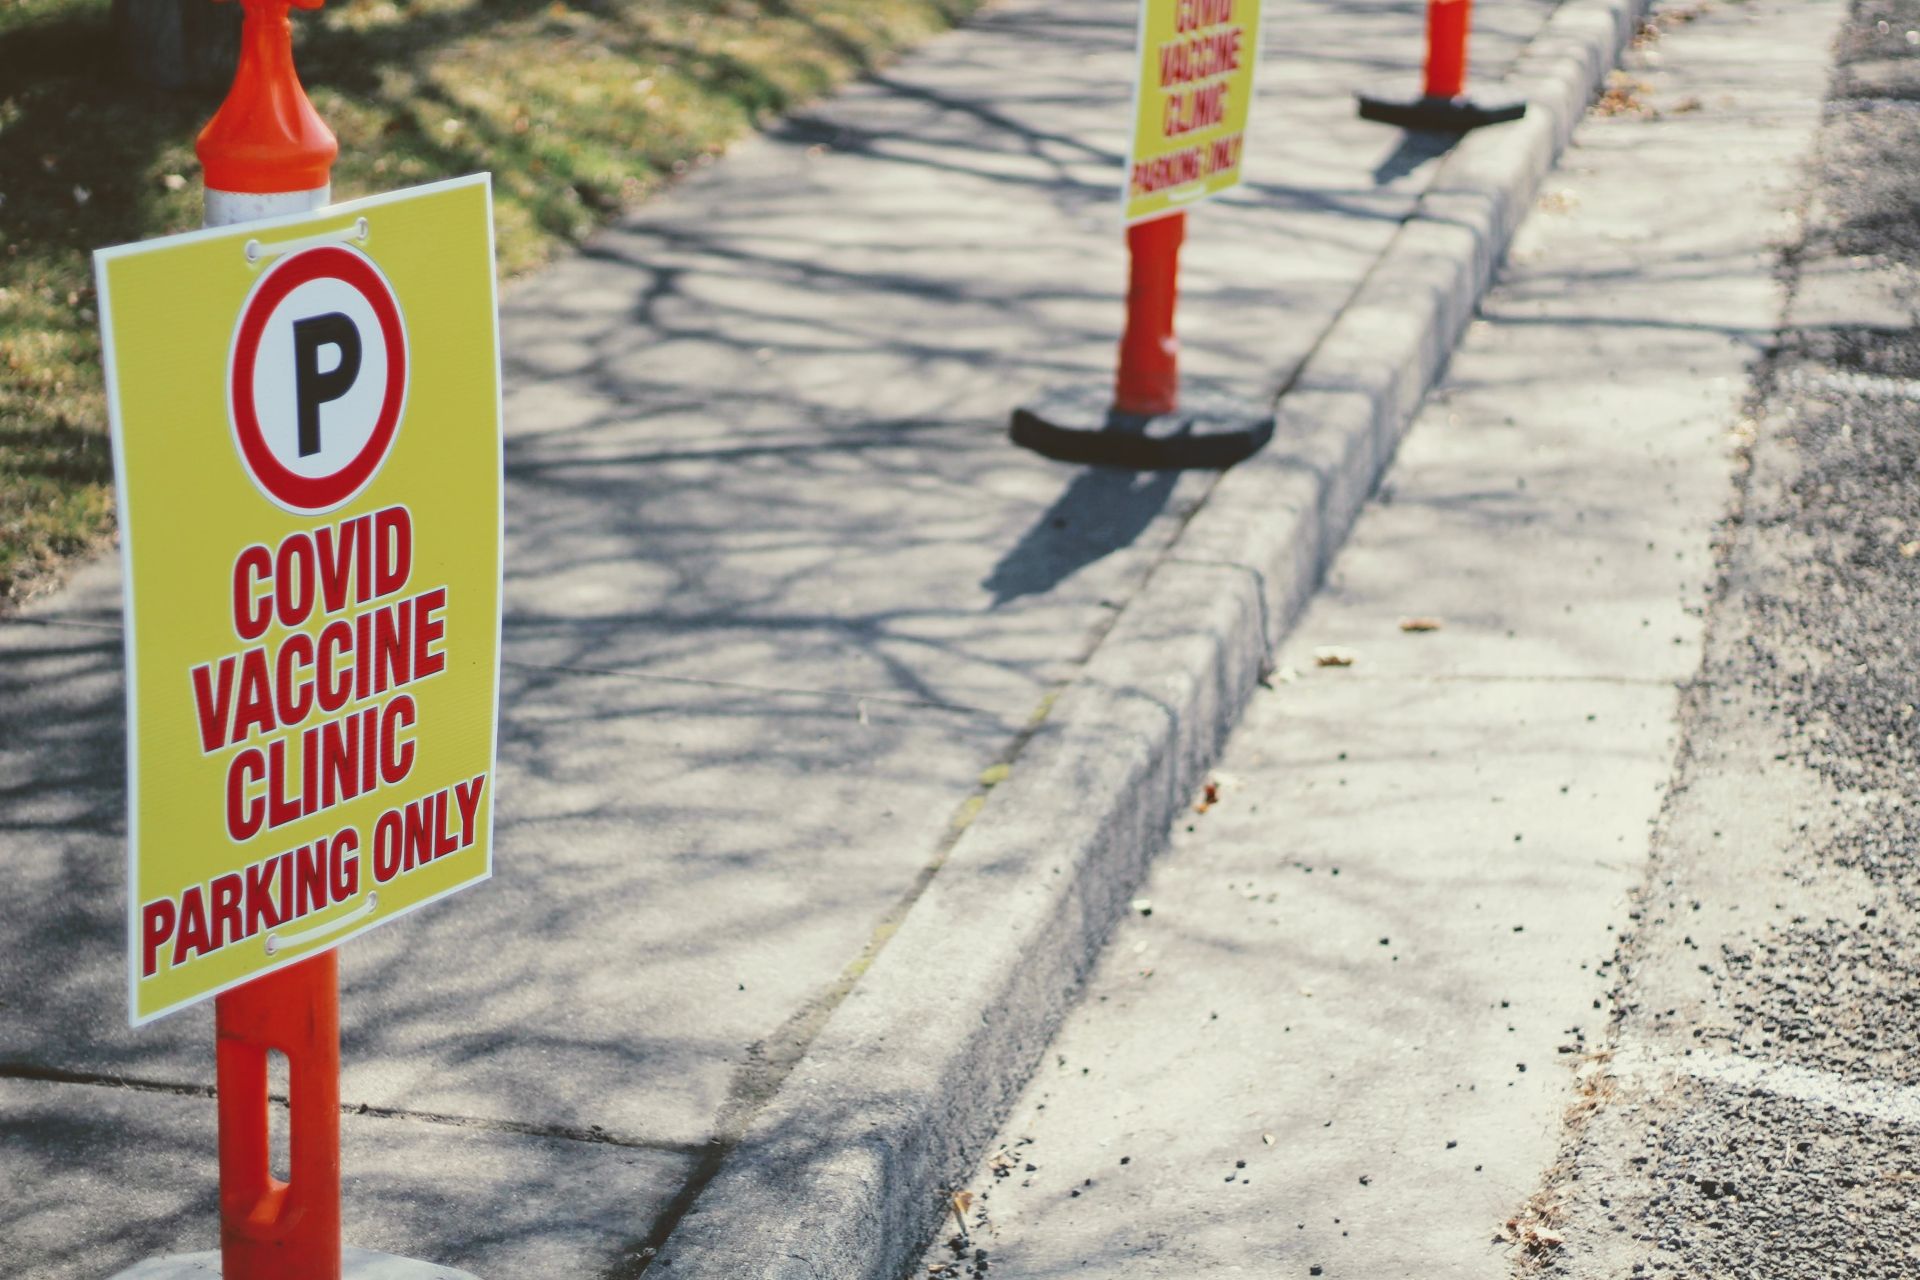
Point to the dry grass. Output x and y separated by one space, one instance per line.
1625 96
1536 1229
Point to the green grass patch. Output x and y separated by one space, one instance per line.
579 108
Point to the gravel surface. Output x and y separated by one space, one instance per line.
1754 1115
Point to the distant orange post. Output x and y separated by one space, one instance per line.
1149 378
1447 25
1443 103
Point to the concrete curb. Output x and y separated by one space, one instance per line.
843 1175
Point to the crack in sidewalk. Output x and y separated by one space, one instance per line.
842 695
181 1089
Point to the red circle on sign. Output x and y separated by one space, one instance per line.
309 494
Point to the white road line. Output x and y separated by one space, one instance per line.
1873 1099
1865 385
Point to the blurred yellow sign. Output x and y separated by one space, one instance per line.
1191 102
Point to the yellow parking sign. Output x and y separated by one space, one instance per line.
307 445
1191 102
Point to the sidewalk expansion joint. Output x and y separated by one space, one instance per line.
701 682
182 1089
101 1079
73 624
884 434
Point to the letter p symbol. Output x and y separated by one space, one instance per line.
314 387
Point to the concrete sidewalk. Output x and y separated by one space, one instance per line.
779 593
1338 1034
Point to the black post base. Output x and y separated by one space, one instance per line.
1441 115
1211 430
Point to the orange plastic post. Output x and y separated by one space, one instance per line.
1447 22
267 138
267 151
1149 378
270 1229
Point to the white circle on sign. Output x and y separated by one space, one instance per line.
345 421
317 377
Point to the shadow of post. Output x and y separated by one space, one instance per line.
1103 510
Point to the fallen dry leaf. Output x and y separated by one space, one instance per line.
1333 655
1624 97
1421 624
1209 796
962 1201
1533 1228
